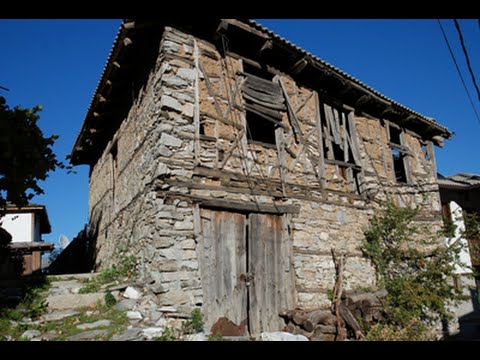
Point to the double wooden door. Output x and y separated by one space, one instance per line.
246 267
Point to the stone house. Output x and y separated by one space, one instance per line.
230 162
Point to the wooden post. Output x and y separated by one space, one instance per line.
355 146
281 157
196 113
321 156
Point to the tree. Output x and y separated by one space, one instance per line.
416 268
26 155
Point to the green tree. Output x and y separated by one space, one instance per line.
26 155
415 267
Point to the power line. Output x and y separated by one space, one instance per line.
458 70
467 59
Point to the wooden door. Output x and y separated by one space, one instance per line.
222 255
247 274
269 265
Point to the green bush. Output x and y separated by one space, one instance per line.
415 267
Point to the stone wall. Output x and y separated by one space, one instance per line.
168 156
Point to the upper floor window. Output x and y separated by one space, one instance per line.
339 138
399 151
264 104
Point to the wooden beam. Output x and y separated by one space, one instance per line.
196 110
127 41
281 158
240 206
298 67
321 157
267 45
363 100
246 28
291 114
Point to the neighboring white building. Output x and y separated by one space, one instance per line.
26 225
460 194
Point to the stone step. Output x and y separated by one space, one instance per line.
74 301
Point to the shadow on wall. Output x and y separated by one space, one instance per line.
79 256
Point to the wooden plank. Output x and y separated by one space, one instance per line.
221 119
233 96
267 291
247 28
328 133
406 158
343 130
239 206
302 105
260 108
262 85
281 157
196 111
291 114
355 146
332 119
289 298
321 157
223 260
263 99
234 145
381 143
210 90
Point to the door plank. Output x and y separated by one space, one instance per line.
222 260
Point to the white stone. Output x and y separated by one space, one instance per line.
134 315
171 253
323 236
281 336
169 102
188 110
164 151
169 140
152 332
183 225
162 169
174 81
88 326
131 293
196 337
187 74
162 322
167 309
30 334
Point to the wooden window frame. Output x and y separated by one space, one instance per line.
402 148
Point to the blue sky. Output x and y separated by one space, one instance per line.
57 63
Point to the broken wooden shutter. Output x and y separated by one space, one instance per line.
263 101
341 144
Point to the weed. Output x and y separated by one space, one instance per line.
195 324
168 335
216 337
110 299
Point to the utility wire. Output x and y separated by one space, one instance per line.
458 70
467 59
